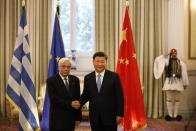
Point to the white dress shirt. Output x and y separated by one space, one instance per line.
63 78
159 65
102 75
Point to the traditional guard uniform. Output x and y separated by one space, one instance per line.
176 79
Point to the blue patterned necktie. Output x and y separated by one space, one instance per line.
98 82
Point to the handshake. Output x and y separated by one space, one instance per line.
75 104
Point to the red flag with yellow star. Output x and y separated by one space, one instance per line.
134 112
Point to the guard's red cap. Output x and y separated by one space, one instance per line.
173 51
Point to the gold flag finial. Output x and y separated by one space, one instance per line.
23 3
127 4
58 3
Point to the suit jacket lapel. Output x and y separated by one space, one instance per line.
61 84
94 81
70 85
105 79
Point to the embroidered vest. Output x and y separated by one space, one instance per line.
175 70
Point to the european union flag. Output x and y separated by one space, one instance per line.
57 52
21 89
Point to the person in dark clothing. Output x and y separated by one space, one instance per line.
103 90
63 90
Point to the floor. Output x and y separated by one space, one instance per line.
152 125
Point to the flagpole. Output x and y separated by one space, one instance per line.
56 51
127 4
134 110
23 4
58 7
21 89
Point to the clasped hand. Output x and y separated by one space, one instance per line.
118 119
75 104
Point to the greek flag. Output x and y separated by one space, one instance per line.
20 88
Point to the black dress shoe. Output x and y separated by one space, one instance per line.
178 117
168 118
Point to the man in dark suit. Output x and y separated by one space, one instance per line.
103 90
63 90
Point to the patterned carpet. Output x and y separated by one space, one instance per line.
152 125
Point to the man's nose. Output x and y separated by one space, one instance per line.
99 63
65 69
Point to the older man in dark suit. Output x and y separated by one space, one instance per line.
63 90
103 90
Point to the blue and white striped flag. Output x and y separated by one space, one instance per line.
20 89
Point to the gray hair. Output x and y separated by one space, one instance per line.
63 60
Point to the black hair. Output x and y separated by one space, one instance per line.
100 54
169 70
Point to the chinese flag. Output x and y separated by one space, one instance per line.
134 112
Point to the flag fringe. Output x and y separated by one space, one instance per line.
38 129
141 128
12 102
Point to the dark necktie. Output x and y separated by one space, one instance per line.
66 84
99 82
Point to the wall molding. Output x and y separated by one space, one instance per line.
187 114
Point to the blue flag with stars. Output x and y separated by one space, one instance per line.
57 52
